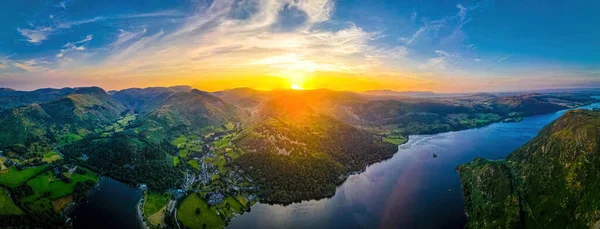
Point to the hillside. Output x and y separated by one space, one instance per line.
296 153
550 182
10 98
40 125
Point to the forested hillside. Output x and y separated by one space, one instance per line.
550 182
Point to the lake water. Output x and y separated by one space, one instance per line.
111 204
410 190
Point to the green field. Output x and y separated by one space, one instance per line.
175 161
229 126
46 188
51 157
395 139
125 120
65 139
179 141
230 206
194 164
223 142
186 214
154 202
183 153
13 178
7 206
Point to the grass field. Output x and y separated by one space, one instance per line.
154 202
229 126
194 164
223 142
395 139
186 214
175 161
51 157
183 153
69 138
13 178
56 190
7 206
242 200
230 206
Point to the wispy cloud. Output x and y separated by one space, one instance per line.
413 16
504 58
74 46
36 35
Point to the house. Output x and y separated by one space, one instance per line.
216 198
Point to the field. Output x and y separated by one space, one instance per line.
50 192
186 214
194 164
188 144
7 206
51 157
13 178
229 126
175 161
154 202
66 139
230 206
223 142
395 139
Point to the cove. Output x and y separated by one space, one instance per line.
111 204
410 190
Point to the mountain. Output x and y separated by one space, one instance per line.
401 93
141 99
10 98
550 182
294 152
78 113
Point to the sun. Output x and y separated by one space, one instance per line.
296 87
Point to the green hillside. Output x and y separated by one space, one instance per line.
550 182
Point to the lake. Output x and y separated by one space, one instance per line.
111 204
411 190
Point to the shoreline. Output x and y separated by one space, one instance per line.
404 144
139 206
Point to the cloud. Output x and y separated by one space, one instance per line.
317 11
62 5
477 60
217 41
32 65
74 46
213 39
36 35
442 62
446 54
504 58
413 16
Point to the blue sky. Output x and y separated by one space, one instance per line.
446 46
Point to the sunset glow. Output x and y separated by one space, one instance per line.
271 44
295 87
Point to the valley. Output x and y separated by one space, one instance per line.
206 158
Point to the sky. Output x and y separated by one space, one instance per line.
425 45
